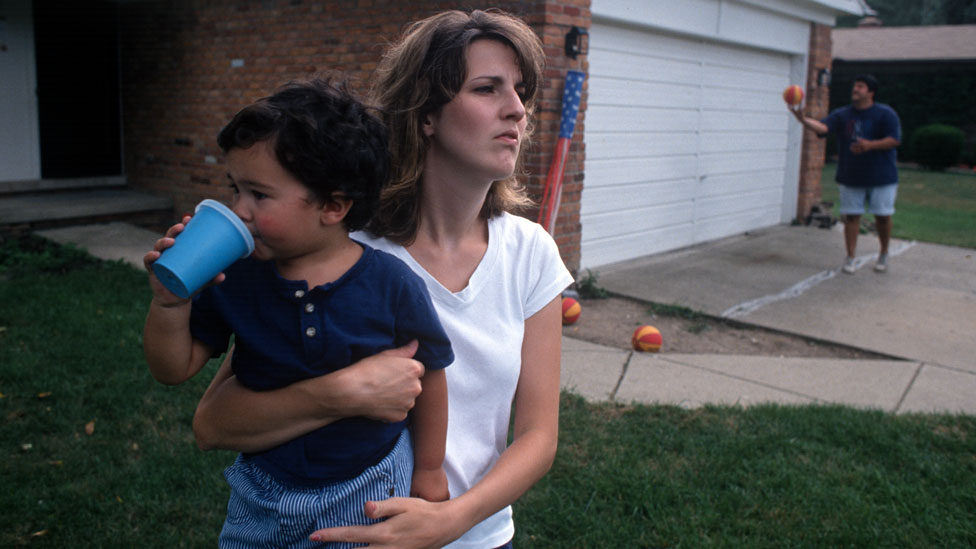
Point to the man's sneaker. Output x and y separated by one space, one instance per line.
882 264
848 266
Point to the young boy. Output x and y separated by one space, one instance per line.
307 165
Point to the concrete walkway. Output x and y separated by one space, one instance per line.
922 312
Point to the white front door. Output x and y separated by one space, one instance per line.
20 156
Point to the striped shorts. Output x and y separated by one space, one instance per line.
263 512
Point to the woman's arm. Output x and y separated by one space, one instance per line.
412 522
230 416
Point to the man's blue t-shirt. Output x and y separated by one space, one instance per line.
285 332
873 168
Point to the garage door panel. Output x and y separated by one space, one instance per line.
740 141
731 184
745 58
604 172
635 41
768 100
732 77
642 68
615 91
718 207
640 144
731 120
607 199
620 247
737 222
615 119
640 219
750 161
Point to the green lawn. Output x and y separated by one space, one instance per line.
97 454
932 206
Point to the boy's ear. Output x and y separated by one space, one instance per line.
334 209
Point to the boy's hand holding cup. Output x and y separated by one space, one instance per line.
195 252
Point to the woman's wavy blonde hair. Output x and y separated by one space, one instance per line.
420 74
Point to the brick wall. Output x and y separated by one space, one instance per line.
554 21
189 65
816 105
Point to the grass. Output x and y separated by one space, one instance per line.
932 206
697 324
588 287
766 476
71 359
97 454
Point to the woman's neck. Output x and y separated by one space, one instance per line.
452 237
450 209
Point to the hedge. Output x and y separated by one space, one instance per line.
937 146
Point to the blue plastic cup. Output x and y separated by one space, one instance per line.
213 240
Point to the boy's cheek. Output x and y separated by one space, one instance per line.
267 225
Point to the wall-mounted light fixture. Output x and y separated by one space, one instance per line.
576 42
823 77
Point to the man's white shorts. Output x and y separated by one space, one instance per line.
879 200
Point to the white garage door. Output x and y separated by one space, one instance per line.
686 141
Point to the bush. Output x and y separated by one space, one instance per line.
937 146
969 154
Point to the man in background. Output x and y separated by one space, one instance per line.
867 135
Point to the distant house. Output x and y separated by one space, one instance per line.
937 46
682 135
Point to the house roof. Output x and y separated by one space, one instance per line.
931 43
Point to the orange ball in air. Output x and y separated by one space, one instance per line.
793 95
571 310
647 338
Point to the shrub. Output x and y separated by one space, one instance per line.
969 154
937 146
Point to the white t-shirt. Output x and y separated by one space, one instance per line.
520 273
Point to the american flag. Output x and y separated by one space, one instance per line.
552 194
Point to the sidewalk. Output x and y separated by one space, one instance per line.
922 311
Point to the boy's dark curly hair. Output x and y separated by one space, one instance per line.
324 137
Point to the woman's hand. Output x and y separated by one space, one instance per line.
410 523
384 386
232 417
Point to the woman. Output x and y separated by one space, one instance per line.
456 93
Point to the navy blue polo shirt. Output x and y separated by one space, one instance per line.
872 168
285 332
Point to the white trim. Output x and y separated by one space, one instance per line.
817 11
794 146
732 21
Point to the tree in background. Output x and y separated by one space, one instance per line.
906 13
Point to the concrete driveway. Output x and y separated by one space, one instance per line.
788 278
